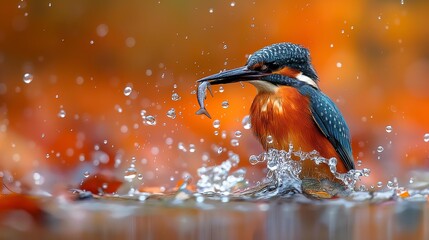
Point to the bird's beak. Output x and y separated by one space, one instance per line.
234 75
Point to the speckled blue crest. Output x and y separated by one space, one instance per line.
285 54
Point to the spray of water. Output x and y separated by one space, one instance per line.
283 177
221 178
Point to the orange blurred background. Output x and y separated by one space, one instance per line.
73 118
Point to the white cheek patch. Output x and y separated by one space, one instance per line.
301 77
264 86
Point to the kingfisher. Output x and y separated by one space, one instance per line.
290 108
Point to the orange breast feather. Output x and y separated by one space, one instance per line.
286 117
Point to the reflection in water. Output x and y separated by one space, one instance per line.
184 215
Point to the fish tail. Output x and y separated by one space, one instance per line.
203 111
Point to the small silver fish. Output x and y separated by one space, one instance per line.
201 96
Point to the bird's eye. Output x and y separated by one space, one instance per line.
273 66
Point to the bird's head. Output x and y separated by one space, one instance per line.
279 64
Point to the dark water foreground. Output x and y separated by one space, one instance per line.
197 217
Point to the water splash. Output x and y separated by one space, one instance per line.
220 178
286 165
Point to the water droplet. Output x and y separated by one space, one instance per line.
175 97
205 157
149 120
223 135
380 149
235 142
411 181
225 46
272 165
86 174
169 141
143 113
148 72
140 176
191 148
237 134
211 10
359 163
79 80
38 178
216 123
221 89
127 91
379 184
426 137
124 129
366 172
225 104
246 122
105 185
332 162
389 129
62 113
130 174
232 4
181 147
102 30
130 42
269 139
253 159
339 65
171 113
118 108
28 77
